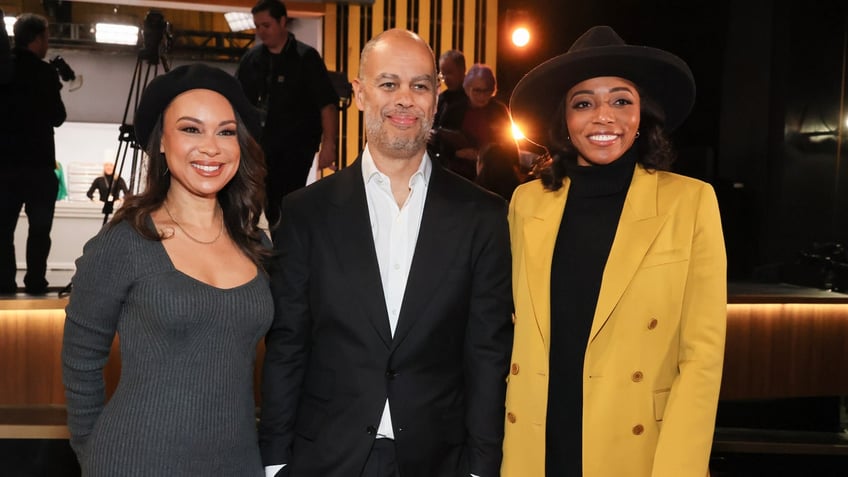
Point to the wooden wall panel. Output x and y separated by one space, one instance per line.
30 364
785 350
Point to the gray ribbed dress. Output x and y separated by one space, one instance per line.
184 404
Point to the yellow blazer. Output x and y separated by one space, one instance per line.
652 368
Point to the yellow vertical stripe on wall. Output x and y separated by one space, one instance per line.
470 31
330 52
447 26
378 18
492 28
402 8
353 49
424 21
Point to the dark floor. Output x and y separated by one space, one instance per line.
37 458
54 458
760 465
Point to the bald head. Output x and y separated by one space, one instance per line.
395 39
396 89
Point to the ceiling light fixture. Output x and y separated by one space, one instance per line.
240 21
115 33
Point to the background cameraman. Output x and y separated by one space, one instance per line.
5 54
33 107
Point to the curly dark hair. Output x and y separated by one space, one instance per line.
654 148
241 199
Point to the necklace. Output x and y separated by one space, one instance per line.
202 242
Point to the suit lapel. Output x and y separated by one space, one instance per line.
442 218
540 231
637 228
354 244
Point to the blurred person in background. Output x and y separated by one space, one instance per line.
469 127
451 74
32 108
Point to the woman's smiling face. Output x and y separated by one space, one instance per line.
200 142
602 115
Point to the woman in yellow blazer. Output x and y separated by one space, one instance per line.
619 274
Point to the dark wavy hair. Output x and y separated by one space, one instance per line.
241 199
275 8
654 148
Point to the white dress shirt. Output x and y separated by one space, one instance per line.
395 230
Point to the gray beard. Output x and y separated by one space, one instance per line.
402 147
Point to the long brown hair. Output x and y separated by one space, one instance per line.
241 199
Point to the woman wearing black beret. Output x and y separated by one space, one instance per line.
619 274
178 274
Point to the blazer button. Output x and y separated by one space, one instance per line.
652 324
510 417
638 429
514 368
371 430
391 374
637 376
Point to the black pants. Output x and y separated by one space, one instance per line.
381 461
284 178
35 191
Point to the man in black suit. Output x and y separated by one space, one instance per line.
392 337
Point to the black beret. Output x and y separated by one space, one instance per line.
163 89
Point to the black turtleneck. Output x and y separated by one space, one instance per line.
589 221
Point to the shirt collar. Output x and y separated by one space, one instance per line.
370 171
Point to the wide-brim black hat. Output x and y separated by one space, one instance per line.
661 76
163 89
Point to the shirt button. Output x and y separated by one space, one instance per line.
515 368
510 417
637 376
397 266
652 324
638 429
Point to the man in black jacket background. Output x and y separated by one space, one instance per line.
32 107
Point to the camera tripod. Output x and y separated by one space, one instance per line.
156 39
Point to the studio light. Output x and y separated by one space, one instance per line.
516 132
520 37
239 21
116 34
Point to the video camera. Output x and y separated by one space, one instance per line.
156 37
65 71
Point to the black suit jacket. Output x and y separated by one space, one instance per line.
331 360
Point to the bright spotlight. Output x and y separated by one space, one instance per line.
516 132
116 33
521 37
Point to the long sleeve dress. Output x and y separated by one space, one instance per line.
184 404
